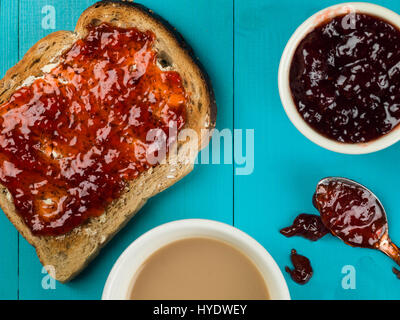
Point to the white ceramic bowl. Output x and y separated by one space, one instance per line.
284 87
119 281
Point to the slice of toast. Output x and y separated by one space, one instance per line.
70 253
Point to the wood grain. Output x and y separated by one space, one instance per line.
287 165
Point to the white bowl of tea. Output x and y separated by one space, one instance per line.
195 260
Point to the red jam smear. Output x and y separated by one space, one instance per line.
71 141
351 213
302 272
308 226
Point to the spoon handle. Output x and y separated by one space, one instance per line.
390 249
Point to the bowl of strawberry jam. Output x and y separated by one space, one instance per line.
339 78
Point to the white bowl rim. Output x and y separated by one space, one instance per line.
285 91
172 231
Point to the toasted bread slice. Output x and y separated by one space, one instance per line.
70 253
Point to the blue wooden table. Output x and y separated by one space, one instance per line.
240 42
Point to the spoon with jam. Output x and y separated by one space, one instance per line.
354 214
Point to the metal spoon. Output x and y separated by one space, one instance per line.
341 224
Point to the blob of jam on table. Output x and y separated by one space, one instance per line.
302 271
71 140
309 226
345 81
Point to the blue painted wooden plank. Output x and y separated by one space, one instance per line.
288 166
208 27
8 234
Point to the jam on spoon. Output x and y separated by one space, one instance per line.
302 271
309 226
355 215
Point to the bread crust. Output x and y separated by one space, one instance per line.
70 253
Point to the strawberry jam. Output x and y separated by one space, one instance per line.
71 140
302 271
351 213
308 226
345 78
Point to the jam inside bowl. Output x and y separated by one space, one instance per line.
337 78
